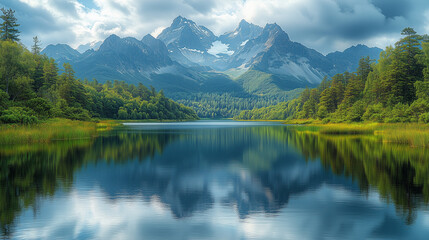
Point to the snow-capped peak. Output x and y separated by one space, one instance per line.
218 48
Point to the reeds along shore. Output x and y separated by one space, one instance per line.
58 129
412 134
51 130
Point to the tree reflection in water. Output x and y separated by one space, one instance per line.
260 167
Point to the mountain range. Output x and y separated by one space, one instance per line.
189 58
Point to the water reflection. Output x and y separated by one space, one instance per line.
399 173
213 181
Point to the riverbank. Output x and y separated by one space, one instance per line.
47 131
59 129
412 134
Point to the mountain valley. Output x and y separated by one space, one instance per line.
251 65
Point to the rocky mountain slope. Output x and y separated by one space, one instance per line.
187 57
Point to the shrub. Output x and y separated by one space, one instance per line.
60 108
41 106
77 114
356 111
326 120
398 114
374 113
424 118
322 112
417 108
4 99
18 115
122 113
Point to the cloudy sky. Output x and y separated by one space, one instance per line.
325 25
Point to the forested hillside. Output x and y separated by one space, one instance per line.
218 76
32 87
215 105
395 89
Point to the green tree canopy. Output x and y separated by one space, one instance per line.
9 27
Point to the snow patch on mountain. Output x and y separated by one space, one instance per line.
219 48
167 69
192 50
193 55
300 69
244 43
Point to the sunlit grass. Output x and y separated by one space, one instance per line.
416 135
303 121
412 134
58 129
350 129
51 130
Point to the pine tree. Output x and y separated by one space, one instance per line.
338 89
8 29
327 100
36 46
408 69
50 74
324 84
364 69
310 106
352 91
66 84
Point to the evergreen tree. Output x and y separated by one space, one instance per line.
327 100
337 87
30 89
36 46
364 69
310 106
352 92
324 84
50 74
406 67
37 75
8 29
395 89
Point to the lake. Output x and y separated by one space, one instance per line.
214 180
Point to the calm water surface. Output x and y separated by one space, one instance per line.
214 180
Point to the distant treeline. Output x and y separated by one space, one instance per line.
32 87
395 89
228 105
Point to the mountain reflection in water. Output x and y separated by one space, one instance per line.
219 179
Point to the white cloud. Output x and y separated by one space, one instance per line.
329 211
325 25
157 31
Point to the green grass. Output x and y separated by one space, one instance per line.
415 135
51 130
412 134
347 129
59 129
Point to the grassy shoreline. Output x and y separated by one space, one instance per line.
47 131
59 129
412 134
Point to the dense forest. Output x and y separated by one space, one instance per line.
393 89
228 105
33 88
